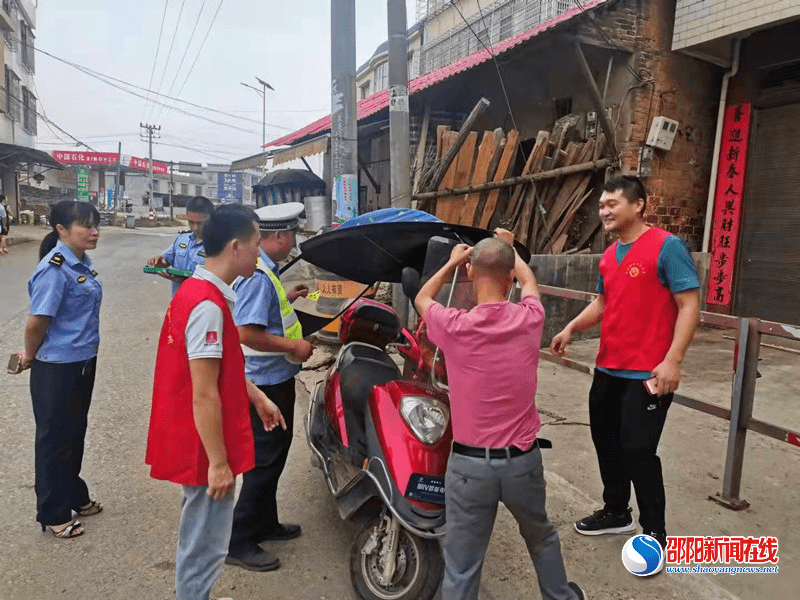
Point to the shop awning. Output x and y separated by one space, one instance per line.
309 148
11 153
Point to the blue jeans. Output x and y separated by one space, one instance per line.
473 489
203 537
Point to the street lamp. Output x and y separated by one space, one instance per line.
263 91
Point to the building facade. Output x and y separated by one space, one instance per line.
18 103
755 189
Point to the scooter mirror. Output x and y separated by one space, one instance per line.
410 282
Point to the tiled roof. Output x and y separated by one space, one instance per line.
380 100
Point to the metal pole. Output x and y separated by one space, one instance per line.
264 115
399 145
744 387
150 169
344 122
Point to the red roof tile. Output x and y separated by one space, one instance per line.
380 100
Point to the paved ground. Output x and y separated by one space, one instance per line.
128 550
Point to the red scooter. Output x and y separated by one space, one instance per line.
382 435
382 442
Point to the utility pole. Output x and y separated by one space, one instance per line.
152 131
171 187
119 177
344 122
399 144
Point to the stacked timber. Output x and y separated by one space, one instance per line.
538 193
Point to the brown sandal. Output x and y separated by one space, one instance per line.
90 509
72 530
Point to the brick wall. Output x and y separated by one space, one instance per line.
699 21
678 87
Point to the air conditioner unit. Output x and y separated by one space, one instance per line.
662 133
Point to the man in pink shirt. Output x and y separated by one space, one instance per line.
492 357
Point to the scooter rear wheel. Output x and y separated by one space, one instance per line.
419 567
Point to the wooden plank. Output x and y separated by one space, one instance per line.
419 157
562 232
440 131
448 139
504 169
450 156
449 209
541 140
480 174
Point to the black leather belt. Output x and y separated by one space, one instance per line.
507 452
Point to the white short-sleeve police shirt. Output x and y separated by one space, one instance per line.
205 324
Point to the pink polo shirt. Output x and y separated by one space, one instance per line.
492 358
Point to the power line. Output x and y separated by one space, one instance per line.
103 77
158 47
185 53
213 20
171 46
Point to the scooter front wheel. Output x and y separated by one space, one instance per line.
417 570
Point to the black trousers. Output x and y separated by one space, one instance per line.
256 511
61 394
626 424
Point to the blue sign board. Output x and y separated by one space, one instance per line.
229 187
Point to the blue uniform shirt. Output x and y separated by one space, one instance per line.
71 295
257 303
676 271
185 254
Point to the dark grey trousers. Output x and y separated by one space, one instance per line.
473 489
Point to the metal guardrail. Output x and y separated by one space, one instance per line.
740 414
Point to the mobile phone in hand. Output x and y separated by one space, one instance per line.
651 385
14 364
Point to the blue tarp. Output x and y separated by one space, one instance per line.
390 215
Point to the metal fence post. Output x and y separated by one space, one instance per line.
742 397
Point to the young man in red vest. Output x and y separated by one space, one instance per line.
649 307
200 433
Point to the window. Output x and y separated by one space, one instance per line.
10 9
382 76
26 43
13 96
185 189
29 111
198 190
364 91
156 185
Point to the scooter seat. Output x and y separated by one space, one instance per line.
361 368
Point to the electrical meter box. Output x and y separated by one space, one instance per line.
662 133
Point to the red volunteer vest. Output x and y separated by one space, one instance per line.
640 313
174 450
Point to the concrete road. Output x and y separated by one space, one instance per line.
128 550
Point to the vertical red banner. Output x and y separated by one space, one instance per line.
728 203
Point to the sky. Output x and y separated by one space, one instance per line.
284 42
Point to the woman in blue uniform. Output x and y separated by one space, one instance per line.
61 340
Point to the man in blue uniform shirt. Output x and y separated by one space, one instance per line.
273 345
187 251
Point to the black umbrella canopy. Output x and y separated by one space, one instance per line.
291 177
379 251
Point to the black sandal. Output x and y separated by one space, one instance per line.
72 530
90 509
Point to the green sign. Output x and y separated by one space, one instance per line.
83 184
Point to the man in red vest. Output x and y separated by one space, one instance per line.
649 307
200 433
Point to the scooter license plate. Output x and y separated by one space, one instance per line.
426 488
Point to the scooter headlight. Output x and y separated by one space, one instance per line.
426 417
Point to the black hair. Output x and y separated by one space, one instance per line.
66 213
228 222
200 204
631 187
